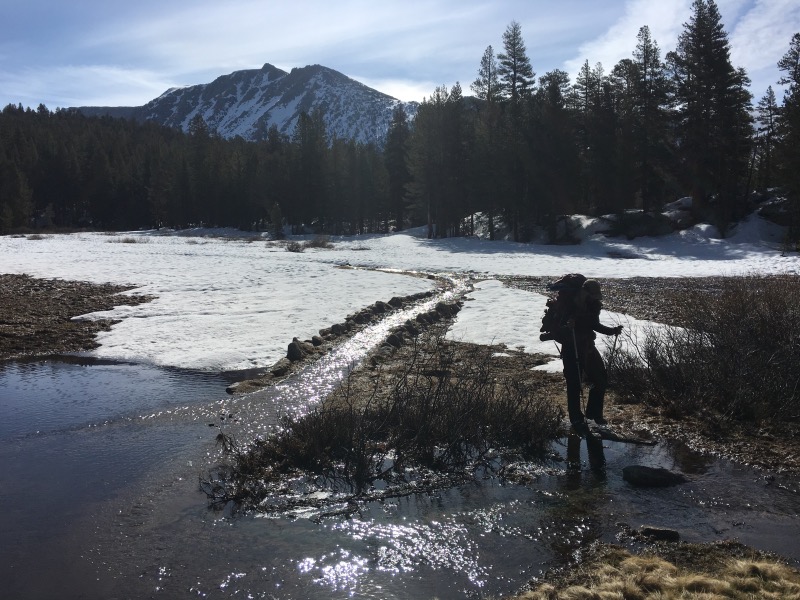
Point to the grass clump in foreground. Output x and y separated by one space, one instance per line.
437 421
710 573
734 359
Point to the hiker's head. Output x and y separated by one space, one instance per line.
591 289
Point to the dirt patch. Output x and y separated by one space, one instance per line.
37 315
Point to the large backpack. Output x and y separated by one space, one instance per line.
561 307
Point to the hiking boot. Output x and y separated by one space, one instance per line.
579 425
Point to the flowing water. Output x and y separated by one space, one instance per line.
99 485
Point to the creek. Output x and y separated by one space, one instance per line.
101 464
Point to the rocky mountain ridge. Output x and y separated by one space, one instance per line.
248 103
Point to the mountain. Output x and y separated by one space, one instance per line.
247 103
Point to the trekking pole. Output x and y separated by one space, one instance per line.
578 366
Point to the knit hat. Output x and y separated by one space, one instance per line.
592 289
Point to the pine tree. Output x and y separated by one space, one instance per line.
766 137
438 161
487 84
396 160
555 150
310 139
788 149
515 73
714 121
651 105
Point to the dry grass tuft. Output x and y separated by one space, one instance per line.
653 578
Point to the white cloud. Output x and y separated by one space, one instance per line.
84 85
109 54
406 89
763 35
665 20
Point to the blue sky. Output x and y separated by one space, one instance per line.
106 53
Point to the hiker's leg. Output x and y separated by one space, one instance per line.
572 373
595 373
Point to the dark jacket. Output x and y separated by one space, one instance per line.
587 321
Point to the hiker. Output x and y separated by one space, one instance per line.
580 357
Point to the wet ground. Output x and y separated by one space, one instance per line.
100 484
36 315
110 507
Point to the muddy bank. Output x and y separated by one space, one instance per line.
36 315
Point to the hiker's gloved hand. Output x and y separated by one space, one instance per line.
617 329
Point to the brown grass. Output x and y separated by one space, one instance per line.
620 575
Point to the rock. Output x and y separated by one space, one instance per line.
295 352
338 329
444 309
641 476
411 328
298 350
317 340
362 318
660 534
394 340
280 368
249 385
396 302
385 306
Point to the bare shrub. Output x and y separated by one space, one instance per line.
319 241
295 247
737 357
437 422
129 240
35 236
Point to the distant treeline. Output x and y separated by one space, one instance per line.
522 149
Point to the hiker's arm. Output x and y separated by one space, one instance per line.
605 330
599 327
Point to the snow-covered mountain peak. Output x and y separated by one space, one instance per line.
248 103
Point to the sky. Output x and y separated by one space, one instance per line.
225 303
99 53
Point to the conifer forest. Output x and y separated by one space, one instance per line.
522 148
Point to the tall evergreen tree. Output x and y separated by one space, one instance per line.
788 149
766 138
714 121
396 160
487 85
311 143
515 72
438 161
651 104
516 78
554 160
